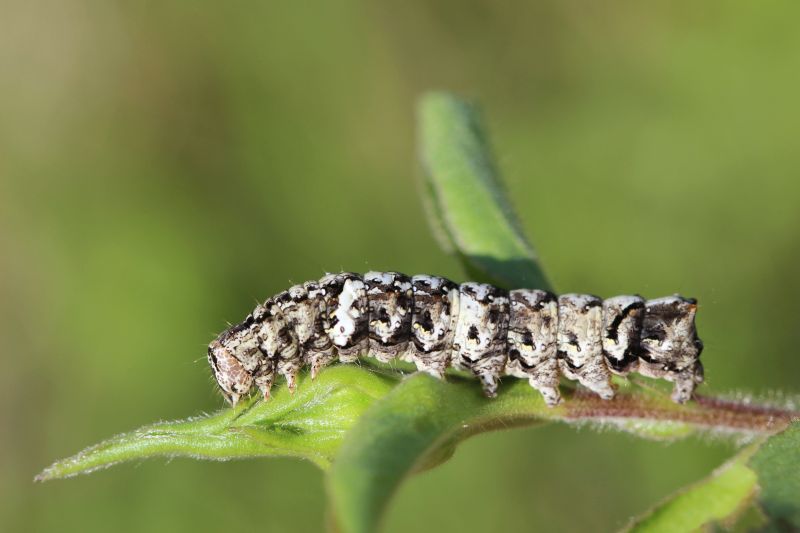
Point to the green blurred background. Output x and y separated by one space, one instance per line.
163 165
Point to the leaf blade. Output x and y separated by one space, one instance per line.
721 497
759 487
466 198
308 425
777 464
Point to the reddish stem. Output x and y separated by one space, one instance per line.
705 411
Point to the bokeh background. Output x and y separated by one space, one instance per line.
163 165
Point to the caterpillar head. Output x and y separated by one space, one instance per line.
234 357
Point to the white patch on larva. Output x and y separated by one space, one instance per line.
346 314
384 278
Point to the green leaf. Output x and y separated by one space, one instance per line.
465 200
307 425
721 497
777 464
757 489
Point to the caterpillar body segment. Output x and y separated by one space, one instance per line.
348 314
580 348
436 309
479 341
670 348
436 324
278 342
532 341
622 325
391 306
318 351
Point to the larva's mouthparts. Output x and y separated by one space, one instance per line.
435 324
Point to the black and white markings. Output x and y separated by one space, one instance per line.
391 304
348 314
580 348
436 305
532 341
278 343
318 351
622 325
436 324
479 342
670 348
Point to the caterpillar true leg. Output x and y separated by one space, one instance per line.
264 377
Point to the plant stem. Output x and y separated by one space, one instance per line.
705 413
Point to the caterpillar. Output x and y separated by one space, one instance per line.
435 324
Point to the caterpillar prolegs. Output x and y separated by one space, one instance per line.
435 324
